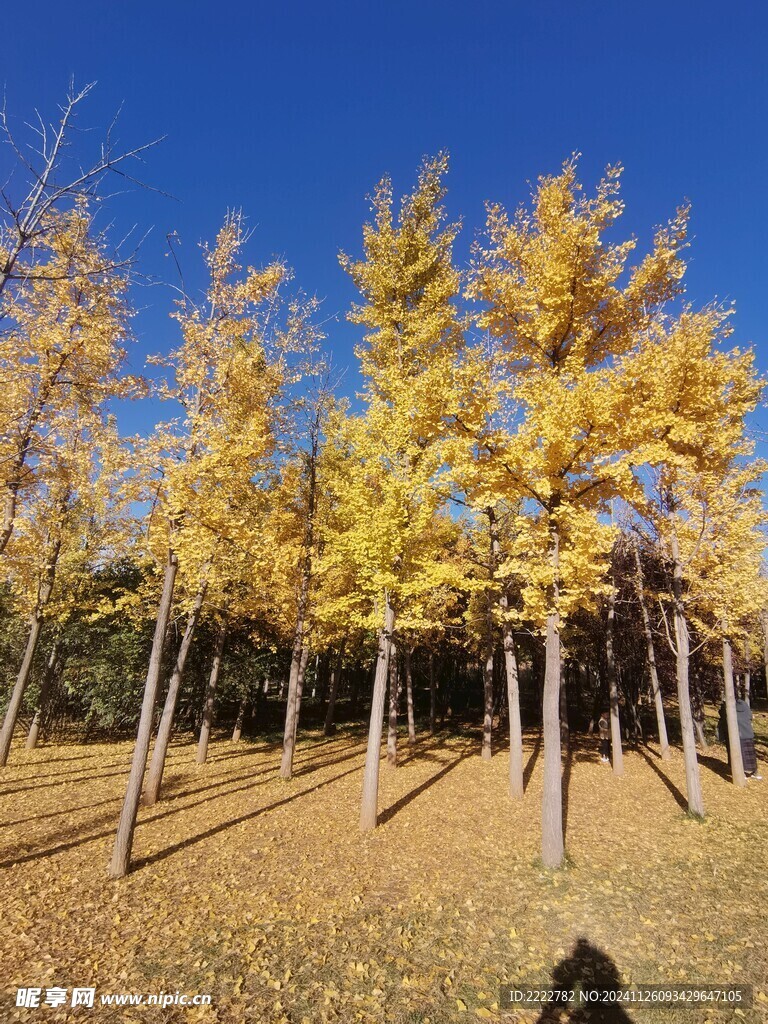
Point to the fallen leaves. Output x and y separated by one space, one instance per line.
268 897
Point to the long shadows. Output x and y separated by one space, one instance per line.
679 798
717 766
391 811
566 785
172 807
589 973
528 770
224 825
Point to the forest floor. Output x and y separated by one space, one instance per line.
264 894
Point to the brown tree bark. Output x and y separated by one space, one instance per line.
409 697
370 795
682 658
747 672
330 725
210 696
160 751
734 743
613 686
45 589
238 730
121 854
53 666
299 692
658 703
394 683
552 842
486 751
432 694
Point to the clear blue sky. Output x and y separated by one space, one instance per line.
293 110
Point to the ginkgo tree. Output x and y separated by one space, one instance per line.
228 378
70 519
692 398
413 335
562 308
62 355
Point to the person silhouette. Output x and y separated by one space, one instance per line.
589 970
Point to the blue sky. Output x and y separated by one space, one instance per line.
292 111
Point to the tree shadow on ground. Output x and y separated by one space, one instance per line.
566 785
225 825
680 800
588 970
721 768
528 770
73 837
391 811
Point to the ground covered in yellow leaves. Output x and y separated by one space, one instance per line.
265 895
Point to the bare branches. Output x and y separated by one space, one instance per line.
46 184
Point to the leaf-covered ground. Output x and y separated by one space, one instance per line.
265 895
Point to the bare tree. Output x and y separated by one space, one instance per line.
49 180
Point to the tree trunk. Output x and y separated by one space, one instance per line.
160 751
432 694
693 783
45 589
121 854
370 796
393 706
565 732
747 672
661 723
292 708
210 696
299 691
488 692
238 730
552 844
22 680
409 697
734 743
516 787
51 669
613 687
330 725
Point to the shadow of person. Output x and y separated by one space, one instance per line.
589 971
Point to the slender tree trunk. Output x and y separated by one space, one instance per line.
613 686
210 696
393 706
565 731
734 743
370 796
292 708
160 751
238 730
432 694
22 681
661 723
488 692
299 691
51 669
747 672
693 783
121 854
45 589
409 697
516 787
330 724
552 843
